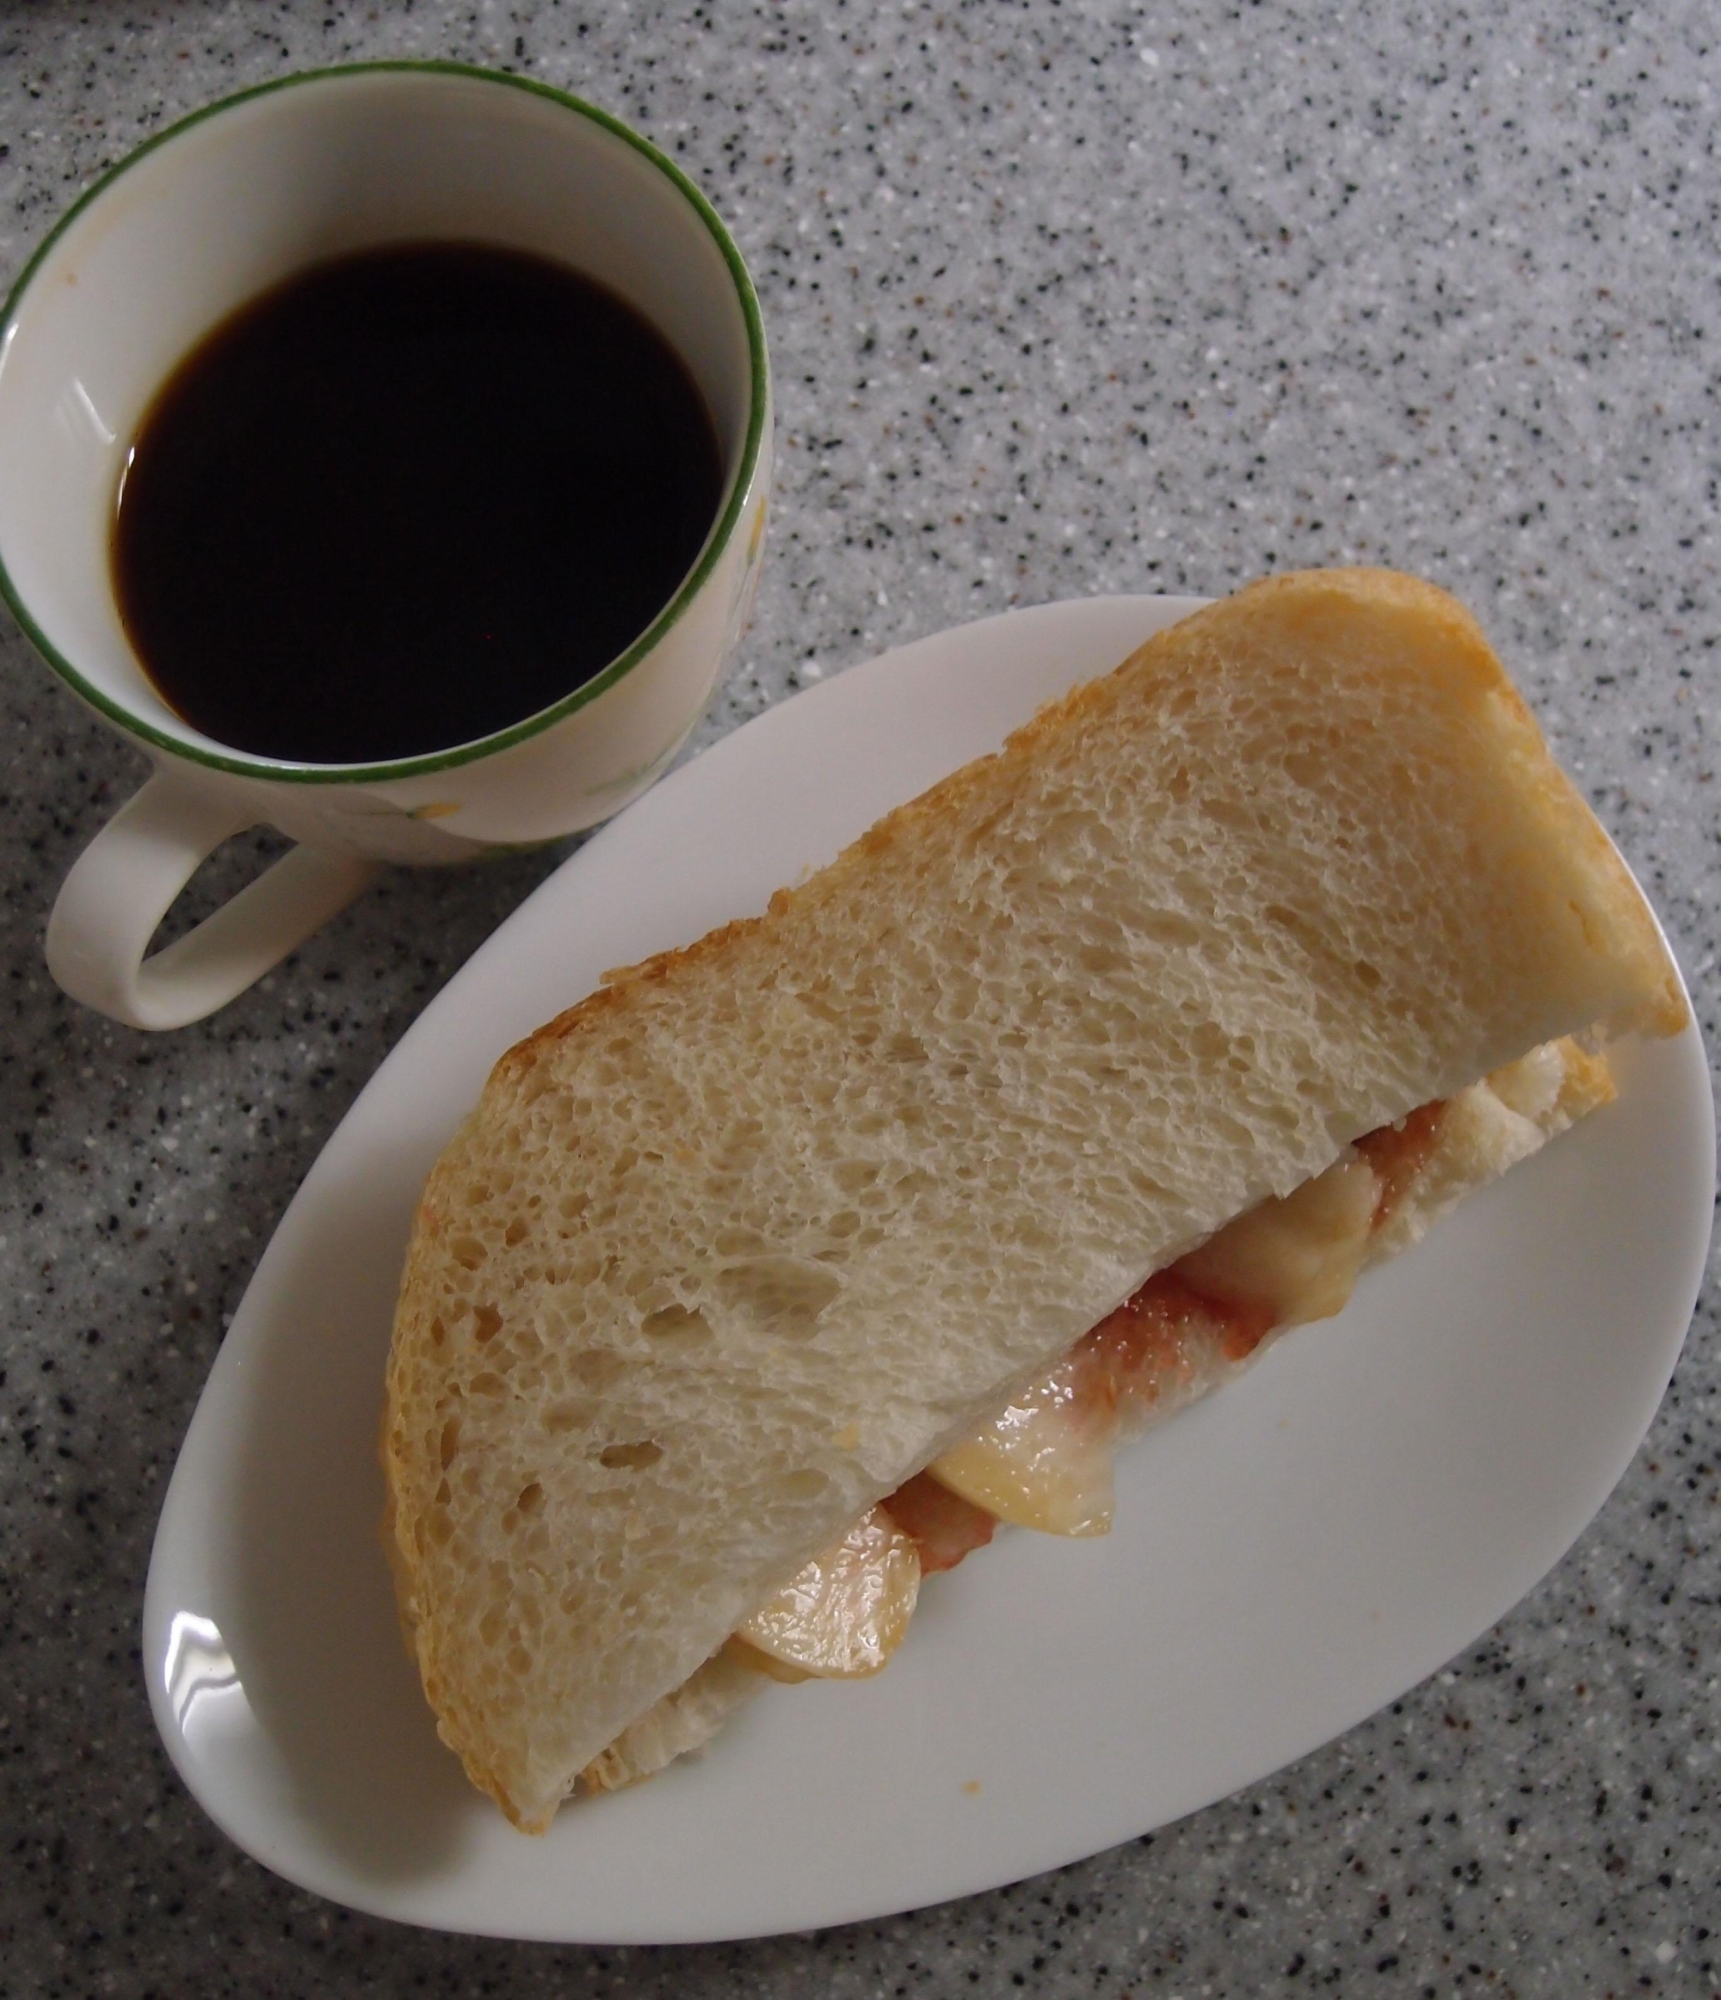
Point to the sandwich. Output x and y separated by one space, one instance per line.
777 1272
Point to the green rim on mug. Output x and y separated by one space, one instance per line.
464 753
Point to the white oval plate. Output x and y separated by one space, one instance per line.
1288 1557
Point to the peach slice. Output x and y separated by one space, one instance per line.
1042 1463
843 1615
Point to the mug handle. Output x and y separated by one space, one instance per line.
129 876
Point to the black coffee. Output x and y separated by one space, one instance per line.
408 498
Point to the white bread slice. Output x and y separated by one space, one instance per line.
735 1246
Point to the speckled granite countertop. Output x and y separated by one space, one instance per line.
1063 299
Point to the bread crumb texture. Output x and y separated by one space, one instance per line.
732 1248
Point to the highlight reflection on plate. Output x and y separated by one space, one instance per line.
1287 1557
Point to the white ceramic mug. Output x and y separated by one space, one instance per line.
191 226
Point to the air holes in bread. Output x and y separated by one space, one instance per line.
593 1368
467 1252
1208 1040
1298 925
806 1484
675 1323
1098 961
1168 927
486 1323
816 1004
531 1499
631 1457
780 1295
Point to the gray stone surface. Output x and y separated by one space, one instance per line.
1063 299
